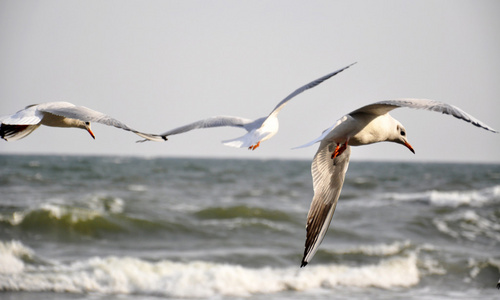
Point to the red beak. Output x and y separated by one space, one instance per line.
91 133
409 147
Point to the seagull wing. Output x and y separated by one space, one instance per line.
328 178
27 116
218 121
323 135
68 110
304 88
383 107
20 124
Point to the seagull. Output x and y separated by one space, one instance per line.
59 114
366 125
258 130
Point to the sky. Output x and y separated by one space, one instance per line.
157 65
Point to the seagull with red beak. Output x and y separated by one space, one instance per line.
366 125
59 114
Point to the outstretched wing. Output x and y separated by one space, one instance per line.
68 110
323 134
20 124
304 88
27 116
328 178
383 107
16 132
218 121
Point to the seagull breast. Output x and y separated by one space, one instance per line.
372 129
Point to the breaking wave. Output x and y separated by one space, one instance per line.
130 275
452 198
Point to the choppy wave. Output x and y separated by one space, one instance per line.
470 225
478 266
242 211
97 206
47 212
221 228
100 214
475 198
394 248
107 214
129 275
12 257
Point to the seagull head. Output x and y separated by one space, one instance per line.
86 126
399 136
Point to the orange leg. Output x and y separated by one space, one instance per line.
253 147
339 149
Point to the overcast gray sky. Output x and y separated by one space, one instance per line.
155 65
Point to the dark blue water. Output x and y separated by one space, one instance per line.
124 227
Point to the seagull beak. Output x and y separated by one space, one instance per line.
409 147
90 131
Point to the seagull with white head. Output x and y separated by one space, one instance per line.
366 125
258 130
59 114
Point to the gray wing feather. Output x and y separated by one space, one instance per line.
218 121
306 87
328 179
88 115
383 107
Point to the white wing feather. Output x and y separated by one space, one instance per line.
27 116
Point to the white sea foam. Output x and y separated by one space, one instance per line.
383 249
97 206
476 265
429 265
469 225
34 164
104 204
451 198
11 254
137 188
14 219
128 275
75 214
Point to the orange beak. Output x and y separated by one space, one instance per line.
91 133
409 147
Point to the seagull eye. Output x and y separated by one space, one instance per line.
403 133
87 123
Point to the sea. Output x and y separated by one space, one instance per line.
104 227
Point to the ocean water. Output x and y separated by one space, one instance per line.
87 227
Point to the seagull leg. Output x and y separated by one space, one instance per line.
253 147
339 149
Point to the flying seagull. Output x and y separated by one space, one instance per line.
59 114
366 125
258 130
